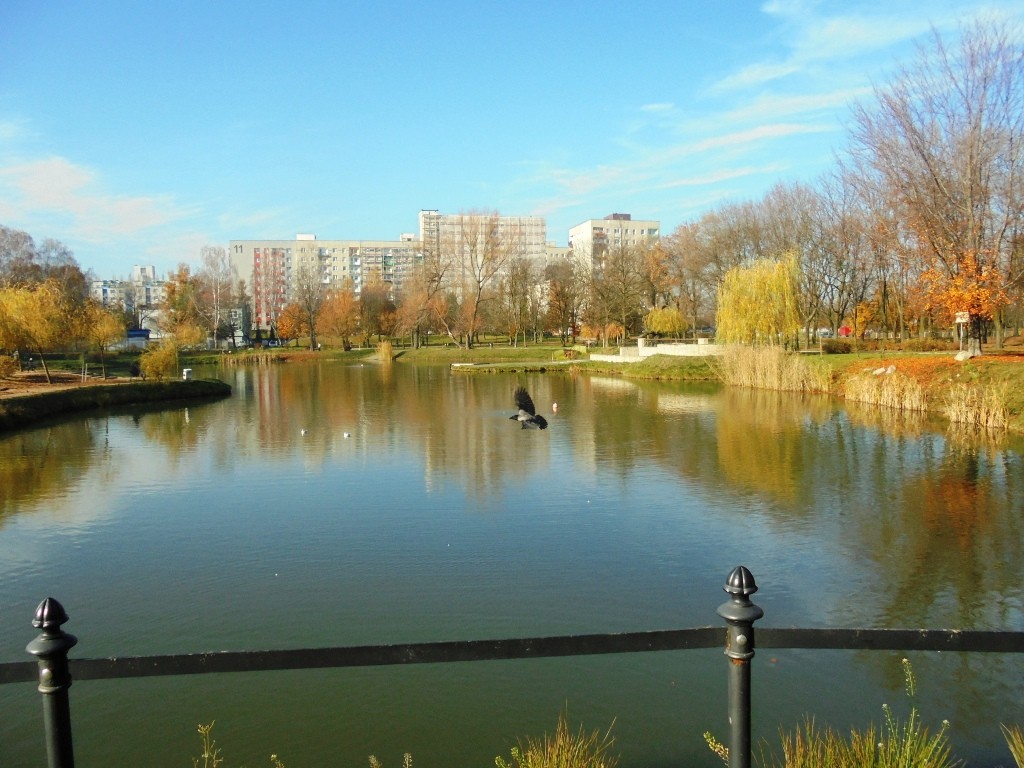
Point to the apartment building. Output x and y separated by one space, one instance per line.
142 291
270 267
592 238
446 230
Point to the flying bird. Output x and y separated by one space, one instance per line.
527 416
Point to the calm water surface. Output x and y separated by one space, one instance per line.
412 509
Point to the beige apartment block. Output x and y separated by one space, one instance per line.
270 267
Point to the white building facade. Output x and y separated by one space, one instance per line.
592 238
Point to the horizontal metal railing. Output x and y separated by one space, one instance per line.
53 670
219 662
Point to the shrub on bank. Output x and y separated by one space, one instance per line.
835 347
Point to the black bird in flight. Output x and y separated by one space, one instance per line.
527 415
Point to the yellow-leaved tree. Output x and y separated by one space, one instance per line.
101 328
666 321
34 319
161 361
757 303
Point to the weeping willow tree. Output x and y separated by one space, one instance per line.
757 303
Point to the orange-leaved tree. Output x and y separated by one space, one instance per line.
340 314
292 322
966 287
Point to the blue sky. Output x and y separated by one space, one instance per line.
137 132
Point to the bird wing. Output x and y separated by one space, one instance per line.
523 401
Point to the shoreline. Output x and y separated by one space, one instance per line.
28 408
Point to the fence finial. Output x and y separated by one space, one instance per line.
51 652
740 615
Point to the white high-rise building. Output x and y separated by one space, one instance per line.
591 239
529 233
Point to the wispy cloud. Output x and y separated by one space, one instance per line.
727 174
55 188
755 74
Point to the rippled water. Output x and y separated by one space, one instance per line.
332 504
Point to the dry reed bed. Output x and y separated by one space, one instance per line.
908 386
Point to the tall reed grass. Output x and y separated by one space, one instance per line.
973 406
251 357
888 390
1015 740
771 367
897 744
563 749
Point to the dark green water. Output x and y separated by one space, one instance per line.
412 509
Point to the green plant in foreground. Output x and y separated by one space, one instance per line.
210 756
1015 740
900 744
211 753
406 761
564 749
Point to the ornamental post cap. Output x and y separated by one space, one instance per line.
50 615
740 583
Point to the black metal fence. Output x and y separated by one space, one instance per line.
53 669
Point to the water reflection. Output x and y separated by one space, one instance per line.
399 503
45 463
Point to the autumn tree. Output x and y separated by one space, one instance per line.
757 303
340 314
376 309
943 142
101 328
292 322
480 248
665 321
182 302
513 305
689 273
35 319
567 294
309 293
422 303
617 289
17 254
216 284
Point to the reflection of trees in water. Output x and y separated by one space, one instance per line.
764 443
931 521
44 462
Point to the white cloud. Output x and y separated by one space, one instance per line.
661 106
727 174
755 74
56 189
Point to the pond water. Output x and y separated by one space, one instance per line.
332 504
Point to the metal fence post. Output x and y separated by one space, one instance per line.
740 614
51 650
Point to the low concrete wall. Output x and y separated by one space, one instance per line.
644 350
